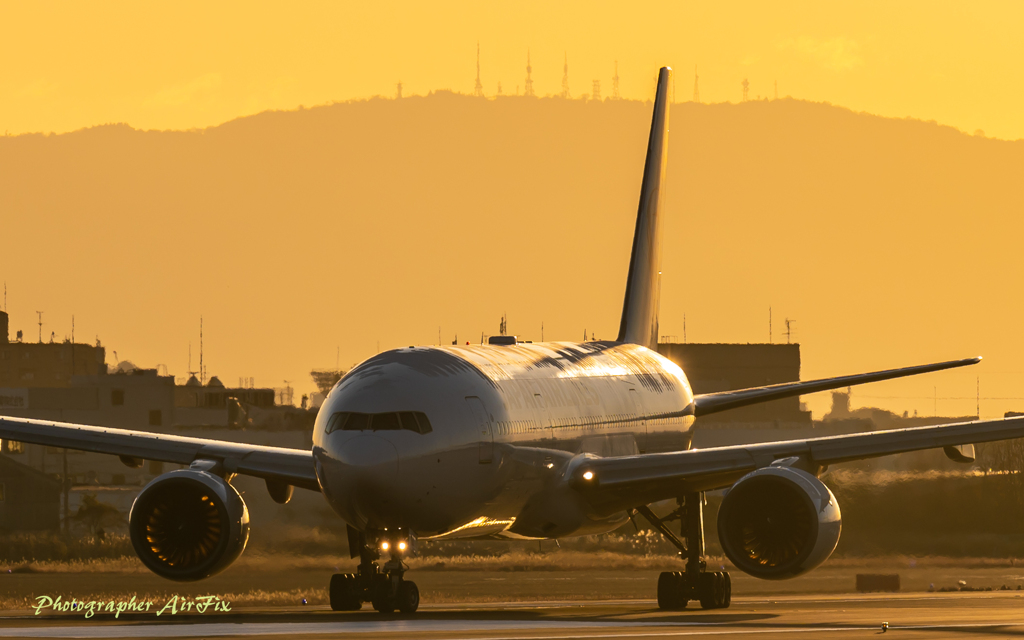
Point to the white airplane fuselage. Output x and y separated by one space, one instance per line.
508 424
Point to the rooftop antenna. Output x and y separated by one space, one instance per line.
202 370
542 331
478 89
684 328
565 77
789 332
528 87
770 325
615 82
696 86
40 314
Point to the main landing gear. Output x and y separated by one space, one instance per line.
383 586
677 588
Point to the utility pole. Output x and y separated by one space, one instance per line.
769 325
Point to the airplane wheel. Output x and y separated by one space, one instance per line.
408 599
709 590
670 591
383 601
344 593
727 588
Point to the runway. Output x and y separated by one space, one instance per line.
947 615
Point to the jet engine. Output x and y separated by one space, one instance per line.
778 522
188 525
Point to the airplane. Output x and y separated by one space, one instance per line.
520 440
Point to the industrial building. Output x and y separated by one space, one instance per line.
727 367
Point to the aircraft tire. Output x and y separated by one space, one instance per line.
709 590
383 600
671 586
408 597
344 593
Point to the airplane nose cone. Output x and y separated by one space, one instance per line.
373 453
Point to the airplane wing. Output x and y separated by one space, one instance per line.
275 464
623 483
722 401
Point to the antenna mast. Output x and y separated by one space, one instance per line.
528 87
202 371
478 89
40 314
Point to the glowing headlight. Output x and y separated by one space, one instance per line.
385 545
401 546
588 475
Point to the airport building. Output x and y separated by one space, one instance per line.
727 367
68 382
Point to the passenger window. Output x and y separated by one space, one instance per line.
385 422
357 422
337 421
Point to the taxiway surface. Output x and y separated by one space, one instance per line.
924 615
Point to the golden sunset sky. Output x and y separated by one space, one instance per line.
195 64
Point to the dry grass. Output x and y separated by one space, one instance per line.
564 560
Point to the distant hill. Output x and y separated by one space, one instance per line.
889 241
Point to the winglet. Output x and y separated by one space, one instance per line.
640 309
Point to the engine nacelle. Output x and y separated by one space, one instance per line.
188 525
778 522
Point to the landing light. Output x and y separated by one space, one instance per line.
401 546
385 546
588 475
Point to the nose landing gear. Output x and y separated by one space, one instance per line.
677 588
383 586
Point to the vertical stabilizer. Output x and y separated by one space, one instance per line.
643 285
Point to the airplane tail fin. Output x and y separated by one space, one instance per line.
643 285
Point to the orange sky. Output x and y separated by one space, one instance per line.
191 64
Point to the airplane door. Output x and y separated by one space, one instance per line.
483 425
641 432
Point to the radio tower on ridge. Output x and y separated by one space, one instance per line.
528 87
615 82
696 87
565 77
478 90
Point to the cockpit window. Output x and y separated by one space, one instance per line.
390 421
385 422
337 421
415 421
357 422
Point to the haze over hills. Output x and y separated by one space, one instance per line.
890 242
